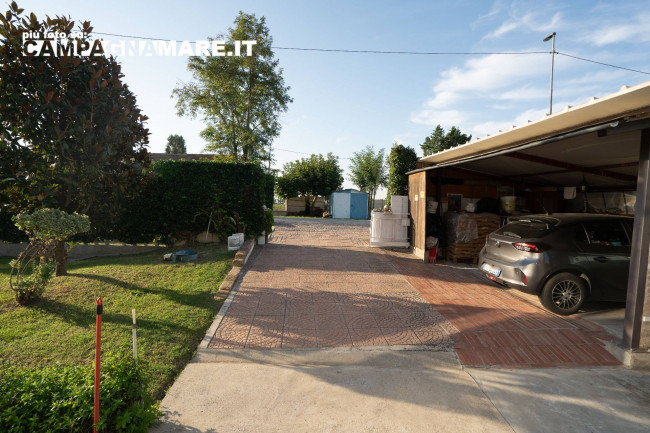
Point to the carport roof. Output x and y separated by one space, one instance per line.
596 142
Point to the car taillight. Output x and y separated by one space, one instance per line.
529 248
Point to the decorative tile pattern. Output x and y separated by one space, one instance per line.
313 288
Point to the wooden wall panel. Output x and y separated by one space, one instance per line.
418 209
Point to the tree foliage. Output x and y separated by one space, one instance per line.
368 172
71 134
240 97
175 145
47 230
401 160
310 178
49 225
439 141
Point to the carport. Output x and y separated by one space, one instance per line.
602 146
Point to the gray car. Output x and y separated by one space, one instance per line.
562 258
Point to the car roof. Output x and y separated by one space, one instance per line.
557 219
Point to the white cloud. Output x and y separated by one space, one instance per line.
445 118
505 28
486 74
531 21
480 81
632 31
493 127
531 114
484 129
496 9
525 92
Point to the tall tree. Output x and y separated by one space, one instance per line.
439 141
368 172
400 160
71 134
455 138
310 178
435 142
175 145
240 98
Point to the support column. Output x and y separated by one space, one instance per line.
636 333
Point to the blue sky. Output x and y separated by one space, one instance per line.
344 102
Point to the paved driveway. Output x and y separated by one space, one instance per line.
319 285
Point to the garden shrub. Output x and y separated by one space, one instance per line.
268 223
60 398
47 230
51 224
180 197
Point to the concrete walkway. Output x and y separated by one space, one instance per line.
304 347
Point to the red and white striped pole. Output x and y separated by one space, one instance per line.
98 350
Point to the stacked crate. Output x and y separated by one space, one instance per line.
467 232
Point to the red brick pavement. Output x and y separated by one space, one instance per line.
310 289
321 286
498 329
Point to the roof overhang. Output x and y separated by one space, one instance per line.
596 142
627 103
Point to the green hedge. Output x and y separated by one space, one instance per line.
179 196
60 398
269 189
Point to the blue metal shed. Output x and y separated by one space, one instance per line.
349 203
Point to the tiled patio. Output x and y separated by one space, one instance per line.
320 285
310 289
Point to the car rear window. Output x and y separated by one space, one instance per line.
524 229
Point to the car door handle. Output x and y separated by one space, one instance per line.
601 259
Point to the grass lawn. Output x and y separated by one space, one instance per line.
278 206
174 305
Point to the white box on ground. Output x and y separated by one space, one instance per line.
389 229
235 241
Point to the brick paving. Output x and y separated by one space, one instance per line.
498 329
319 285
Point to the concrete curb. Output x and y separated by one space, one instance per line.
629 358
241 257
228 289
217 320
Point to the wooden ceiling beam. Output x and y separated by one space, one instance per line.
569 167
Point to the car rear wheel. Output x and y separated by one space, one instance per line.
564 294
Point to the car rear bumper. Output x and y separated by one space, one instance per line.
521 275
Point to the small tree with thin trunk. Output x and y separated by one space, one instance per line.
368 172
47 230
310 178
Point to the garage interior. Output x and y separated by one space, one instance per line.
590 158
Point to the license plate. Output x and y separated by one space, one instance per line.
492 270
